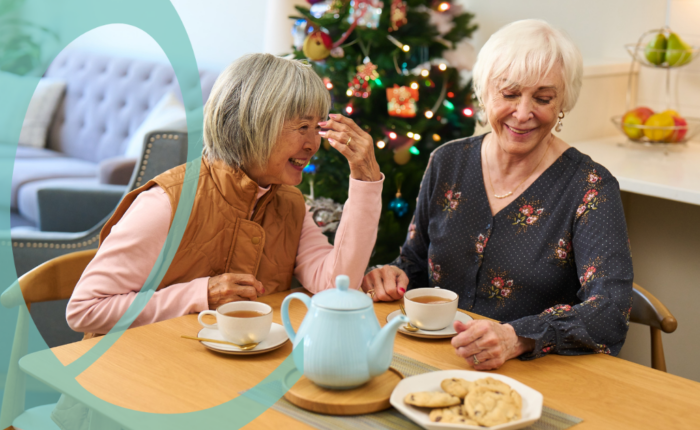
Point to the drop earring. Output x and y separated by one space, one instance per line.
559 123
481 115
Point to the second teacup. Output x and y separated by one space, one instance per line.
241 322
431 308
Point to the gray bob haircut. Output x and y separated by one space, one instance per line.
250 102
524 52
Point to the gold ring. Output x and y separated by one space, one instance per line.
348 144
371 293
476 360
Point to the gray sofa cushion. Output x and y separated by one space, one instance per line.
28 203
106 99
77 208
29 152
34 169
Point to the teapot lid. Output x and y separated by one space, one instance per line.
342 298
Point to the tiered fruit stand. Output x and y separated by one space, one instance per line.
641 53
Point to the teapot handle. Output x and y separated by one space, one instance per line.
285 312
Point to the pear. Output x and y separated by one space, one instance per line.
656 50
678 52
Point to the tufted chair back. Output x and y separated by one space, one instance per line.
106 100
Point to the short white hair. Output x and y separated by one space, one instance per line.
526 51
250 102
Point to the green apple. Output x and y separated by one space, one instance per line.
633 119
678 52
656 50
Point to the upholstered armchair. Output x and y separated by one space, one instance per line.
163 151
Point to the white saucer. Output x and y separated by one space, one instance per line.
446 332
276 338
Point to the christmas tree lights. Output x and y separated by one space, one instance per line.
388 65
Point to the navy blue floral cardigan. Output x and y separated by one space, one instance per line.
555 263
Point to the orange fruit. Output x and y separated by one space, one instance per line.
659 127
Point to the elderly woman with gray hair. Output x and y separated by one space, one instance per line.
249 230
526 229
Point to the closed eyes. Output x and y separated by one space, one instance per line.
540 100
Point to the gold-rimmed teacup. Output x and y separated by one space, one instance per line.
437 313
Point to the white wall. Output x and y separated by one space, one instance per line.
220 31
599 28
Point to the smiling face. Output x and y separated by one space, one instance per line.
295 146
523 116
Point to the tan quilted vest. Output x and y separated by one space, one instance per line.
221 236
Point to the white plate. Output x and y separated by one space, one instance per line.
446 332
276 338
532 400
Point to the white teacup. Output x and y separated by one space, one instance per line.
239 330
430 316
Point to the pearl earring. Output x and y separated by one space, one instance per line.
559 123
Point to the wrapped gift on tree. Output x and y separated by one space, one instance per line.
402 101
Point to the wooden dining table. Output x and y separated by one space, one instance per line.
152 369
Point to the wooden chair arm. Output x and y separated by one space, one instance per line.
648 310
55 279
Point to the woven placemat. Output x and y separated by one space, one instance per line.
391 419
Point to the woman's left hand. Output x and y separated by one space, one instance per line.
490 342
356 145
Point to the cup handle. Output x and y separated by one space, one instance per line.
285 312
201 314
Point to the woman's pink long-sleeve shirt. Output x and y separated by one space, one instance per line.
124 260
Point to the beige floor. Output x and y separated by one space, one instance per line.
665 239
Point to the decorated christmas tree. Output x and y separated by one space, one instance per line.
397 68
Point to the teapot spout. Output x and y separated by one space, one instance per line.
382 346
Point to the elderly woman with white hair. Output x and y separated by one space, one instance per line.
526 229
249 230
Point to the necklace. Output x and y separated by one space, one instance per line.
508 194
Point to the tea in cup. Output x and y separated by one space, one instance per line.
241 322
431 308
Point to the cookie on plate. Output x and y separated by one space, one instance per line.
490 406
426 399
446 415
452 414
493 383
458 387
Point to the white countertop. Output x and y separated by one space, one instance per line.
669 172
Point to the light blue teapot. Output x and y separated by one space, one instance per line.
339 344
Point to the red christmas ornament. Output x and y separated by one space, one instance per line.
359 85
402 101
398 14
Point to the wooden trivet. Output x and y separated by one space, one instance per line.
371 397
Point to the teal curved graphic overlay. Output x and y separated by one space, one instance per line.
21 345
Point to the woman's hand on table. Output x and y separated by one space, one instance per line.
385 284
233 287
340 130
492 343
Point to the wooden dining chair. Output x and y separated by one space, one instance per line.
52 280
648 310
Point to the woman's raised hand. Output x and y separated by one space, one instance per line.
385 284
356 145
233 287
